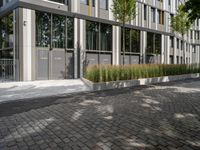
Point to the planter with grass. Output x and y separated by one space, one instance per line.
109 77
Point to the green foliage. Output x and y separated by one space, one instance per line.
124 11
180 22
105 73
193 8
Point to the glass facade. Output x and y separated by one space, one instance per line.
58 31
153 43
6 37
98 36
43 29
132 40
51 31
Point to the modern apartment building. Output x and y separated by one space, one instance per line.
58 39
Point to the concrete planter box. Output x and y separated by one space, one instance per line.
136 82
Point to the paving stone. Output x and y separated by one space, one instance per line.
162 116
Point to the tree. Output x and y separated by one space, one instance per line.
180 23
124 11
192 8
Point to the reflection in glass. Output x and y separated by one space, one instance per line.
150 41
153 43
43 29
58 31
106 37
132 40
92 35
6 31
157 44
135 41
70 33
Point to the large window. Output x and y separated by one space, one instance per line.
70 32
153 15
43 29
6 31
6 37
92 35
106 37
153 43
51 30
132 40
98 36
160 17
58 32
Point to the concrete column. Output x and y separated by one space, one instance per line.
82 46
143 46
137 17
110 4
175 50
184 52
116 45
76 46
97 9
149 14
162 49
156 18
167 49
28 46
75 6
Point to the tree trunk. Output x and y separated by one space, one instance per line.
123 43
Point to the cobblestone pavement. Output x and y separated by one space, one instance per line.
158 117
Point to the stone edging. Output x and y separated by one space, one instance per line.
136 82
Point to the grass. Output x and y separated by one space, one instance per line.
105 73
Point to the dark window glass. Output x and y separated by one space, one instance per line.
58 31
135 41
150 41
106 37
58 1
70 33
145 12
153 43
172 42
92 35
157 44
127 40
6 31
153 14
43 29
177 41
6 37
98 36
1 3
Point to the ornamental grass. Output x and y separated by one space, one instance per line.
106 73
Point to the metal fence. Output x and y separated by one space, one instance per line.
6 70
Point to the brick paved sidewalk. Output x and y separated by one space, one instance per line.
159 117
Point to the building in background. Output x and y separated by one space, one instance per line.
58 39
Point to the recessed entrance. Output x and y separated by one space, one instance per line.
54 42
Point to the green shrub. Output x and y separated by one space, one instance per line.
104 73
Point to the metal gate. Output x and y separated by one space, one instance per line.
6 70
54 64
